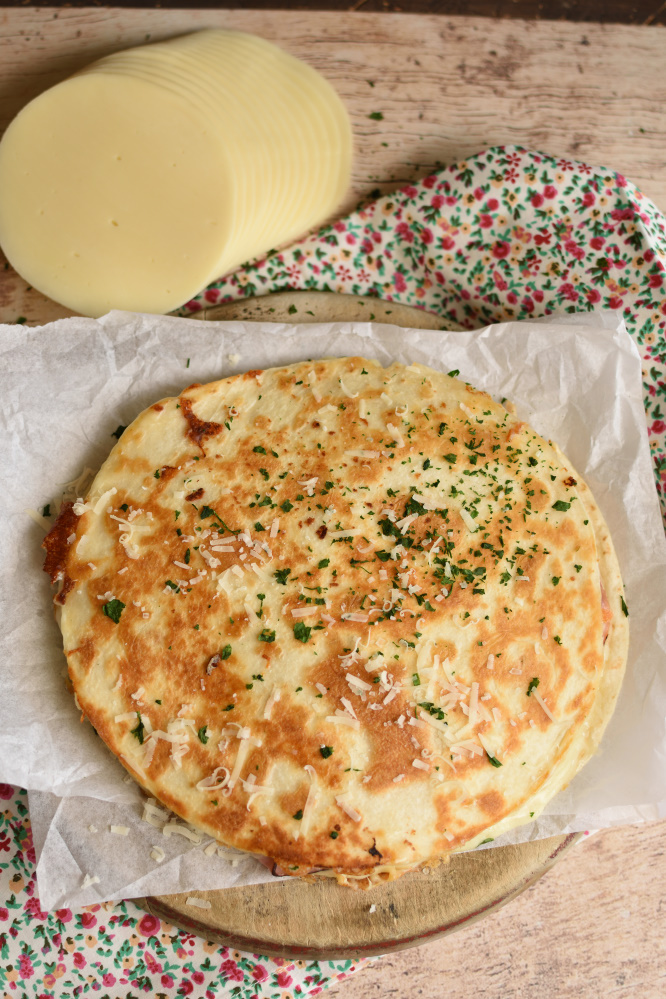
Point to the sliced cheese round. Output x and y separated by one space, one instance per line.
148 174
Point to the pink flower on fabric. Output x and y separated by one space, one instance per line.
88 920
399 281
185 988
167 981
33 907
426 236
429 181
339 227
6 791
656 280
648 257
549 191
593 296
64 915
597 242
259 973
621 181
109 979
589 198
658 427
4 913
231 970
537 200
437 201
538 295
478 193
573 249
79 960
500 250
569 292
486 221
404 230
149 926
212 295
198 977
25 966
510 175
4 842
500 283
512 298
493 205
615 302
447 243
542 238
284 979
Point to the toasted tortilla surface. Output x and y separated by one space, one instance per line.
349 618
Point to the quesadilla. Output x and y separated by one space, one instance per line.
348 618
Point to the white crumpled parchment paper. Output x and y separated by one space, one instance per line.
65 389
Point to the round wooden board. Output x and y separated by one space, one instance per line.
324 921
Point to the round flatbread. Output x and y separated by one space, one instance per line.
349 618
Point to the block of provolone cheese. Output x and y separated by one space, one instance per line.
145 176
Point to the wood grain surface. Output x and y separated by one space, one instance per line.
594 927
446 87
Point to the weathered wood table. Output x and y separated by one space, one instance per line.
448 87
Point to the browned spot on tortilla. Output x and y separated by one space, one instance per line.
570 481
198 430
57 549
158 407
322 531
492 803
197 494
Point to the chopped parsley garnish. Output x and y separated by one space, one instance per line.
495 762
113 609
259 449
265 474
416 680
266 635
323 563
561 505
333 835
186 556
451 458
230 707
557 639
207 511
376 116
203 737
578 568
281 575
454 373
326 751
138 731
301 632
555 580
286 506
259 527
534 682
173 586
118 432
298 815
426 464
156 473
46 511
625 609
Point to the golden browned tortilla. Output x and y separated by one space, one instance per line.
349 618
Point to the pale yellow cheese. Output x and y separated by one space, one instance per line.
145 176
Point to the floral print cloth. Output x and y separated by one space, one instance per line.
117 951
505 235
